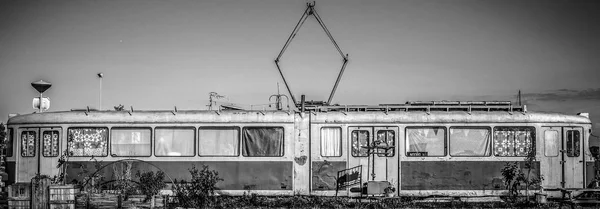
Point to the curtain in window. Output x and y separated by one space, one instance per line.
360 139
331 140
551 142
426 140
50 139
174 142
88 141
263 142
218 141
470 142
28 143
513 141
130 142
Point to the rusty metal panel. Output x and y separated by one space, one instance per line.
455 175
236 175
324 174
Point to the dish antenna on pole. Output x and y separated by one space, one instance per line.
41 103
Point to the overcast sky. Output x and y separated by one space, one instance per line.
160 54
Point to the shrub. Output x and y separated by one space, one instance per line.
151 183
198 192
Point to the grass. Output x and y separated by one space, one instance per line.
255 201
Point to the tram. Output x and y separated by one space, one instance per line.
419 148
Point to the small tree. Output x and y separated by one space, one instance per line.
515 178
198 191
151 183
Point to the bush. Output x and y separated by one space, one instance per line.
151 183
198 192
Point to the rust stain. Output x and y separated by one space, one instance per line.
301 160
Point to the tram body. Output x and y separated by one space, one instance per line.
455 153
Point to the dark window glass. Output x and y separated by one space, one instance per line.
263 142
386 138
87 141
573 145
28 139
360 140
513 141
9 143
50 143
130 142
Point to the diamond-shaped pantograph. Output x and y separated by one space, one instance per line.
310 10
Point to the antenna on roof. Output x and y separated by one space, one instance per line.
519 97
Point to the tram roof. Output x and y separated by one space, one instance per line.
244 116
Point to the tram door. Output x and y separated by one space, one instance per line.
27 139
572 155
374 149
49 150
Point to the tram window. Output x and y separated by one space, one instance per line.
573 146
87 141
9 143
470 141
50 143
387 137
174 142
28 144
331 141
551 143
428 141
218 141
262 142
130 142
513 141
360 140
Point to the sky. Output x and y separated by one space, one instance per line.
161 54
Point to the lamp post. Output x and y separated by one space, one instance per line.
41 86
100 75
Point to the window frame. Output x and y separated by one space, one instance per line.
490 149
69 151
175 127
129 128
575 154
533 139
340 140
407 146
369 139
282 140
376 132
35 141
239 140
558 144
58 143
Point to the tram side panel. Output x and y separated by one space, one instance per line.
249 169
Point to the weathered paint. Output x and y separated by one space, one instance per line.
455 175
236 175
324 174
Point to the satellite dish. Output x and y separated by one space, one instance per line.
41 86
45 103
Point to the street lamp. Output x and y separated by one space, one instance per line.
100 75
41 86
